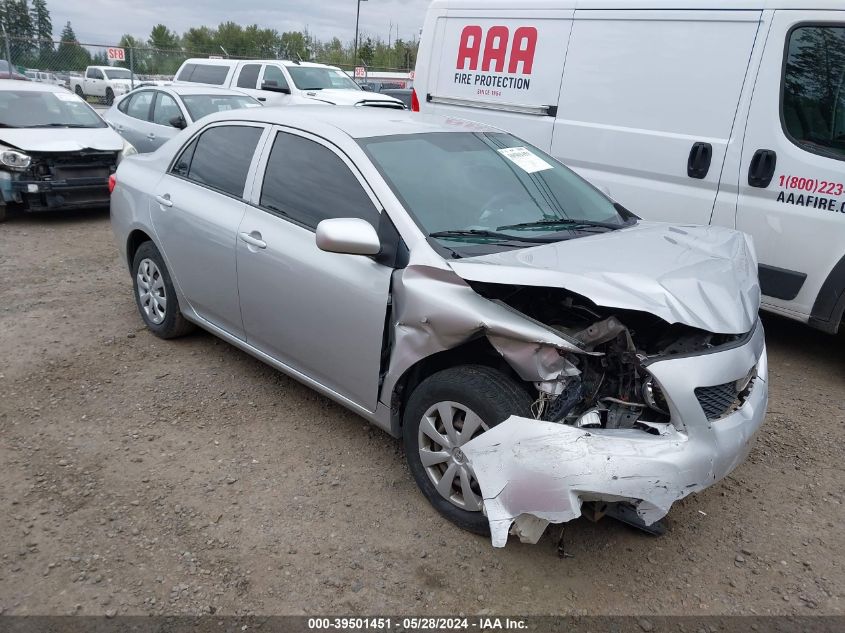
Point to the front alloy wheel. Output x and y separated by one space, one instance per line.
444 428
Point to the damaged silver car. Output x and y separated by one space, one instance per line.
542 352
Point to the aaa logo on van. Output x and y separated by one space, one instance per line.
500 59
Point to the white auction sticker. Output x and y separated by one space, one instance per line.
525 159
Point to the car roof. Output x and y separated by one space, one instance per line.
31 86
193 89
232 62
353 121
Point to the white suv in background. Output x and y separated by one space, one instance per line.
282 82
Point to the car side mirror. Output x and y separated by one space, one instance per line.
352 236
273 86
366 87
178 122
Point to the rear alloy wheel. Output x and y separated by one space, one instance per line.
443 413
109 96
155 296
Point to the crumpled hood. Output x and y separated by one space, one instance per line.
702 276
62 139
349 97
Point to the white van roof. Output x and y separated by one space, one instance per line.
644 5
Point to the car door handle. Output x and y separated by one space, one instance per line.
262 98
151 136
252 240
164 200
698 163
762 168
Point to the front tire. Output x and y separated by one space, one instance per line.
79 93
109 96
155 295
444 412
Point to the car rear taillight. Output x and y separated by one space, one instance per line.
112 182
415 102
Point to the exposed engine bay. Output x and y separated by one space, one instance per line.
612 388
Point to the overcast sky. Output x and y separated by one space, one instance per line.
104 21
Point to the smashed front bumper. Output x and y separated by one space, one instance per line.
70 193
533 473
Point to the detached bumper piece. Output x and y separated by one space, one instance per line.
533 473
66 181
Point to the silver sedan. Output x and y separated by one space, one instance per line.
150 116
538 347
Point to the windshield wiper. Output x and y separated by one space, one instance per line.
566 222
73 125
15 127
492 235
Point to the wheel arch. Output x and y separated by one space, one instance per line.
829 307
133 243
476 351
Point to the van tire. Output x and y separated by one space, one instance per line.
173 324
487 392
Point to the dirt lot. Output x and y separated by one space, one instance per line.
145 476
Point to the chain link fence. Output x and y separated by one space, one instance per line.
57 62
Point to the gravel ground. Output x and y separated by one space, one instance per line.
143 476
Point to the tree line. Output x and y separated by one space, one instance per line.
27 32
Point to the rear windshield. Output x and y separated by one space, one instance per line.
212 74
203 105
34 109
118 73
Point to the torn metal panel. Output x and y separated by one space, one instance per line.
703 276
436 310
532 473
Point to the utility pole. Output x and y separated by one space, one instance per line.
8 54
357 18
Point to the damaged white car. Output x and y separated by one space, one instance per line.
55 150
541 350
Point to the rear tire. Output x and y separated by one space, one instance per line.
463 393
155 295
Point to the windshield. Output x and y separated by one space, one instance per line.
30 108
203 105
118 73
465 187
315 78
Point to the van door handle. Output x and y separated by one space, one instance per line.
762 168
253 240
698 163
164 200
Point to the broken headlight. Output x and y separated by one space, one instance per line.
653 396
128 150
13 159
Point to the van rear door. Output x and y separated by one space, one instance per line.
504 71
648 104
792 174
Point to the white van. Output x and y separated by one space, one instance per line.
280 82
728 112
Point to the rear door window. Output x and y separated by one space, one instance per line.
814 89
307 182
214 74
222 157
248 77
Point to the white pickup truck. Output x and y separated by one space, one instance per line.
102 82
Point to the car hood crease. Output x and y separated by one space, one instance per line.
701 276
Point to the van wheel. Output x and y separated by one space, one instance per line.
79 92
109 96
444 412
155 295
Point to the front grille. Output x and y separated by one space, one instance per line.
721 400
